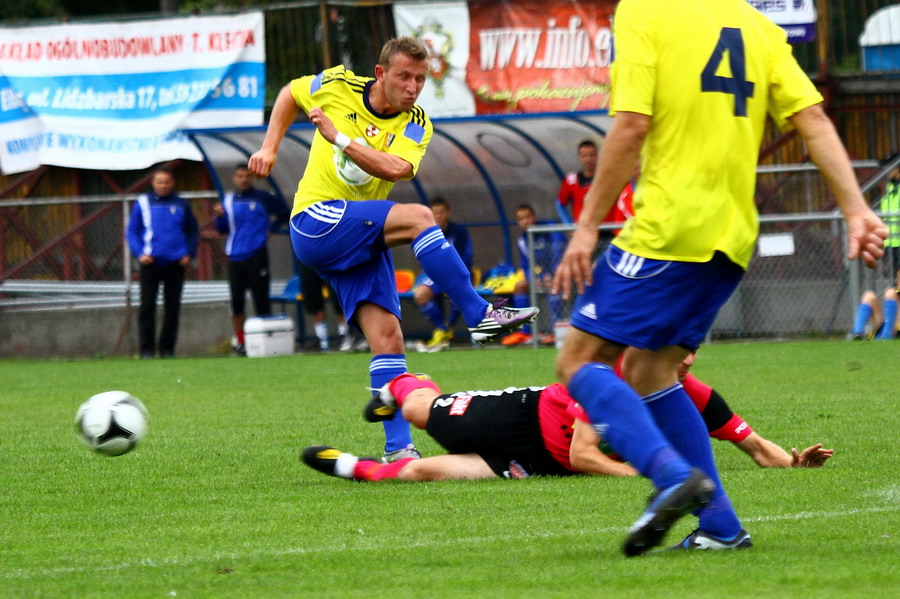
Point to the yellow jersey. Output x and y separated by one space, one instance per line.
707 72
344 98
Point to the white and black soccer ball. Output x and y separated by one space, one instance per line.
111 423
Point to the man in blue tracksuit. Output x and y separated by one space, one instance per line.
163 234
247 216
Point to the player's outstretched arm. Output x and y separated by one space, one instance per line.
866 233
586 458
770 455
284 112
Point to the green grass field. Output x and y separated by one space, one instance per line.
214 503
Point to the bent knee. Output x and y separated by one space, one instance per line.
869 298
890 294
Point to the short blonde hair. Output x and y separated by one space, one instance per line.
409 46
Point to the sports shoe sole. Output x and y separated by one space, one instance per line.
321 457
377 411
665 509
703 541
490 333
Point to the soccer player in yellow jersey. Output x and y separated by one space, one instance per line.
371 134
692 83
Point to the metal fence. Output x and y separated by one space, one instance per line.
799 283
71 251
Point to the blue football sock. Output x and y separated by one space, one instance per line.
863 314
443 265
382 369
433 312
626 425
684 428
520 300
890 320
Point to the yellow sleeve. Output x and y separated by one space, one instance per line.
790 90
301 91
633 71
410 145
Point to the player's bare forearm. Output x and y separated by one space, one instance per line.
866 232
378 164
586 458
284 112
620 153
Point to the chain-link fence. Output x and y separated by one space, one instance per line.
74 248
799 283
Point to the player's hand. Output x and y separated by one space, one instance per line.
575 266
323 124
811 457
261 163
865 235
185 260
145 259
218 210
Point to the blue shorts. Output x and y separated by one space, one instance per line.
344 242
650 304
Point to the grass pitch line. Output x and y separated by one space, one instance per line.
25 574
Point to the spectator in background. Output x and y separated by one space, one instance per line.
428 296
247 216
548 250
313 289
883 319
163 234
576 185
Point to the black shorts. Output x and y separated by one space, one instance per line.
501 427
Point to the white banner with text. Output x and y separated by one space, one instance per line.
112 96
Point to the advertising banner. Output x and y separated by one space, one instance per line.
113 95
520 55
796 17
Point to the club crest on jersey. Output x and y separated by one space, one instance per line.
173 210
372 131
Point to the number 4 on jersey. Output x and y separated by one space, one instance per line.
730 39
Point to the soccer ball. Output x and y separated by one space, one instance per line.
111 423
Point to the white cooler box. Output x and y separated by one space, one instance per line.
269 336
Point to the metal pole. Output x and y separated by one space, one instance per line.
326 35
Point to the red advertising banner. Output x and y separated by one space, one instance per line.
550 56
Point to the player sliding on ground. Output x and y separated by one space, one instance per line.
522 432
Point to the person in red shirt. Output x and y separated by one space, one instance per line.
575 186
525 431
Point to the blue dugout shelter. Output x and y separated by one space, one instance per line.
483 166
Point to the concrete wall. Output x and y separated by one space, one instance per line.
205 329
